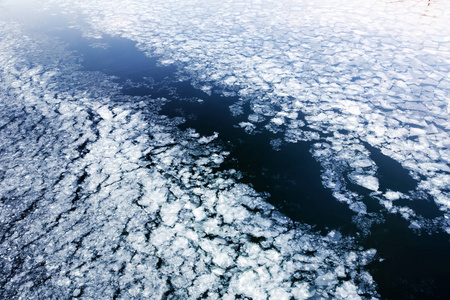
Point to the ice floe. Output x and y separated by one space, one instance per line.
375 69
102 197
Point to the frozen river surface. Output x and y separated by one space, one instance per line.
224 149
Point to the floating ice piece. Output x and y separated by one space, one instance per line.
255 118
392 195
248 127
369 182
206 140
278 121
347 291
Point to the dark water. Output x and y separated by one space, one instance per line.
412 266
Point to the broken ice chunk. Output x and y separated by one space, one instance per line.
367 181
